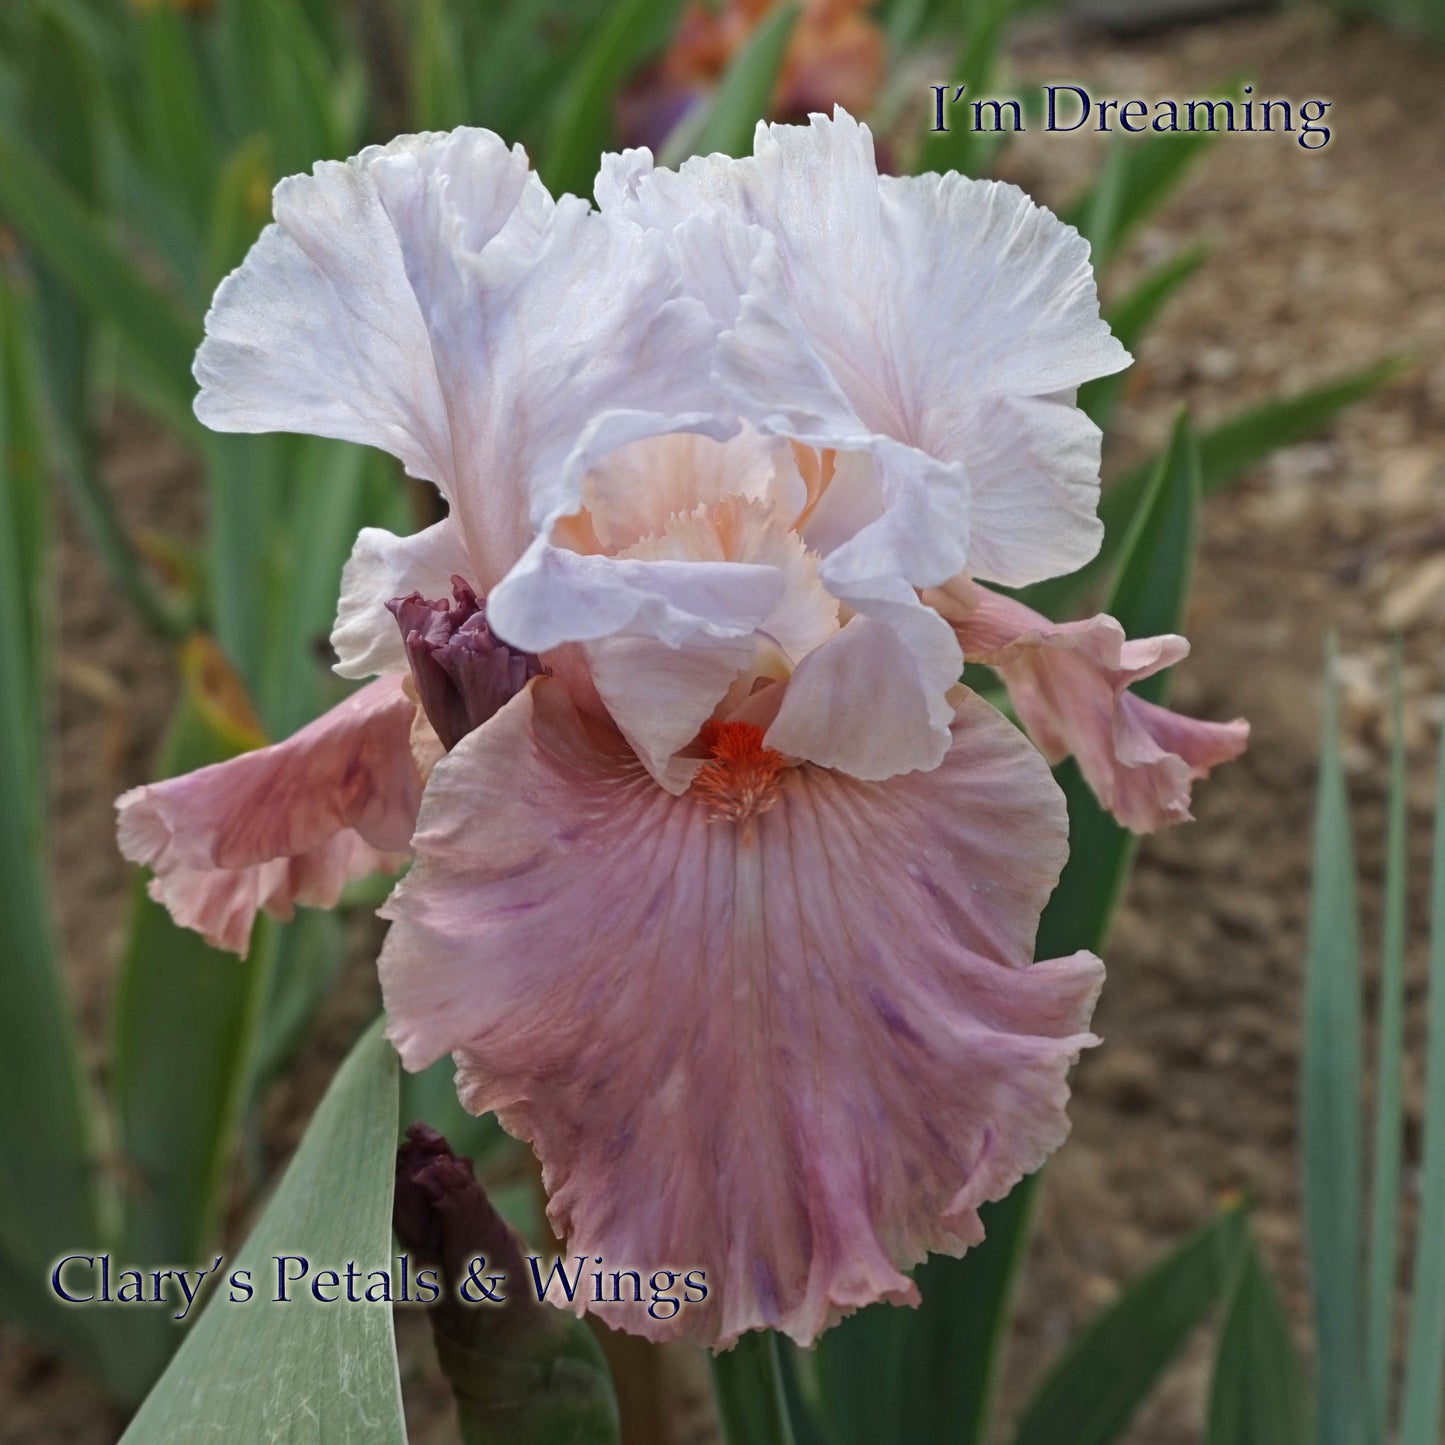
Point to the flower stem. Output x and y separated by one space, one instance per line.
747 1385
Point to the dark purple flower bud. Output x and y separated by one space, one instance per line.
464 673
443 1216
521 1371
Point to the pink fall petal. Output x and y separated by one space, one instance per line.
796 1051
286 824
1069 685
221 904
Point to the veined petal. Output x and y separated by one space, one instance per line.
382 566
796 1051
1034 469
937 324
1160 754
283 824
1069 684
660 696
595 348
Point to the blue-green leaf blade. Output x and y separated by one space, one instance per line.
1129 319
1149 597
1385 1167
1136 179
1233 446
178 134
962 147
182 1010
747 1382
438 74
582 127
159 338
1330 1105
1226 451
47 1151
1425 1346
914 1377
1157 556
261 1370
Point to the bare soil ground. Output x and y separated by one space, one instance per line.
1322 262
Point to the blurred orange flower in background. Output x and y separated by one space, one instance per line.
835 56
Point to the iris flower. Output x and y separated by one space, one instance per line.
723 890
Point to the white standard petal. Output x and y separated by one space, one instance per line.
596 348
718 247
322 329
932 323
429 297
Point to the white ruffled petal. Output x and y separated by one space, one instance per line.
555 595
323 329
932 324
873 701
430 298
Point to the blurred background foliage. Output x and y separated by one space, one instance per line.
138 146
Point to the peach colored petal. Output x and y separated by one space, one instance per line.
660 696
795 1051
286 824
632 492
1069 685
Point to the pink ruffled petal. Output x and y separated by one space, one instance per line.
1162 753
778 1029
291 823
221 904
1069 685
